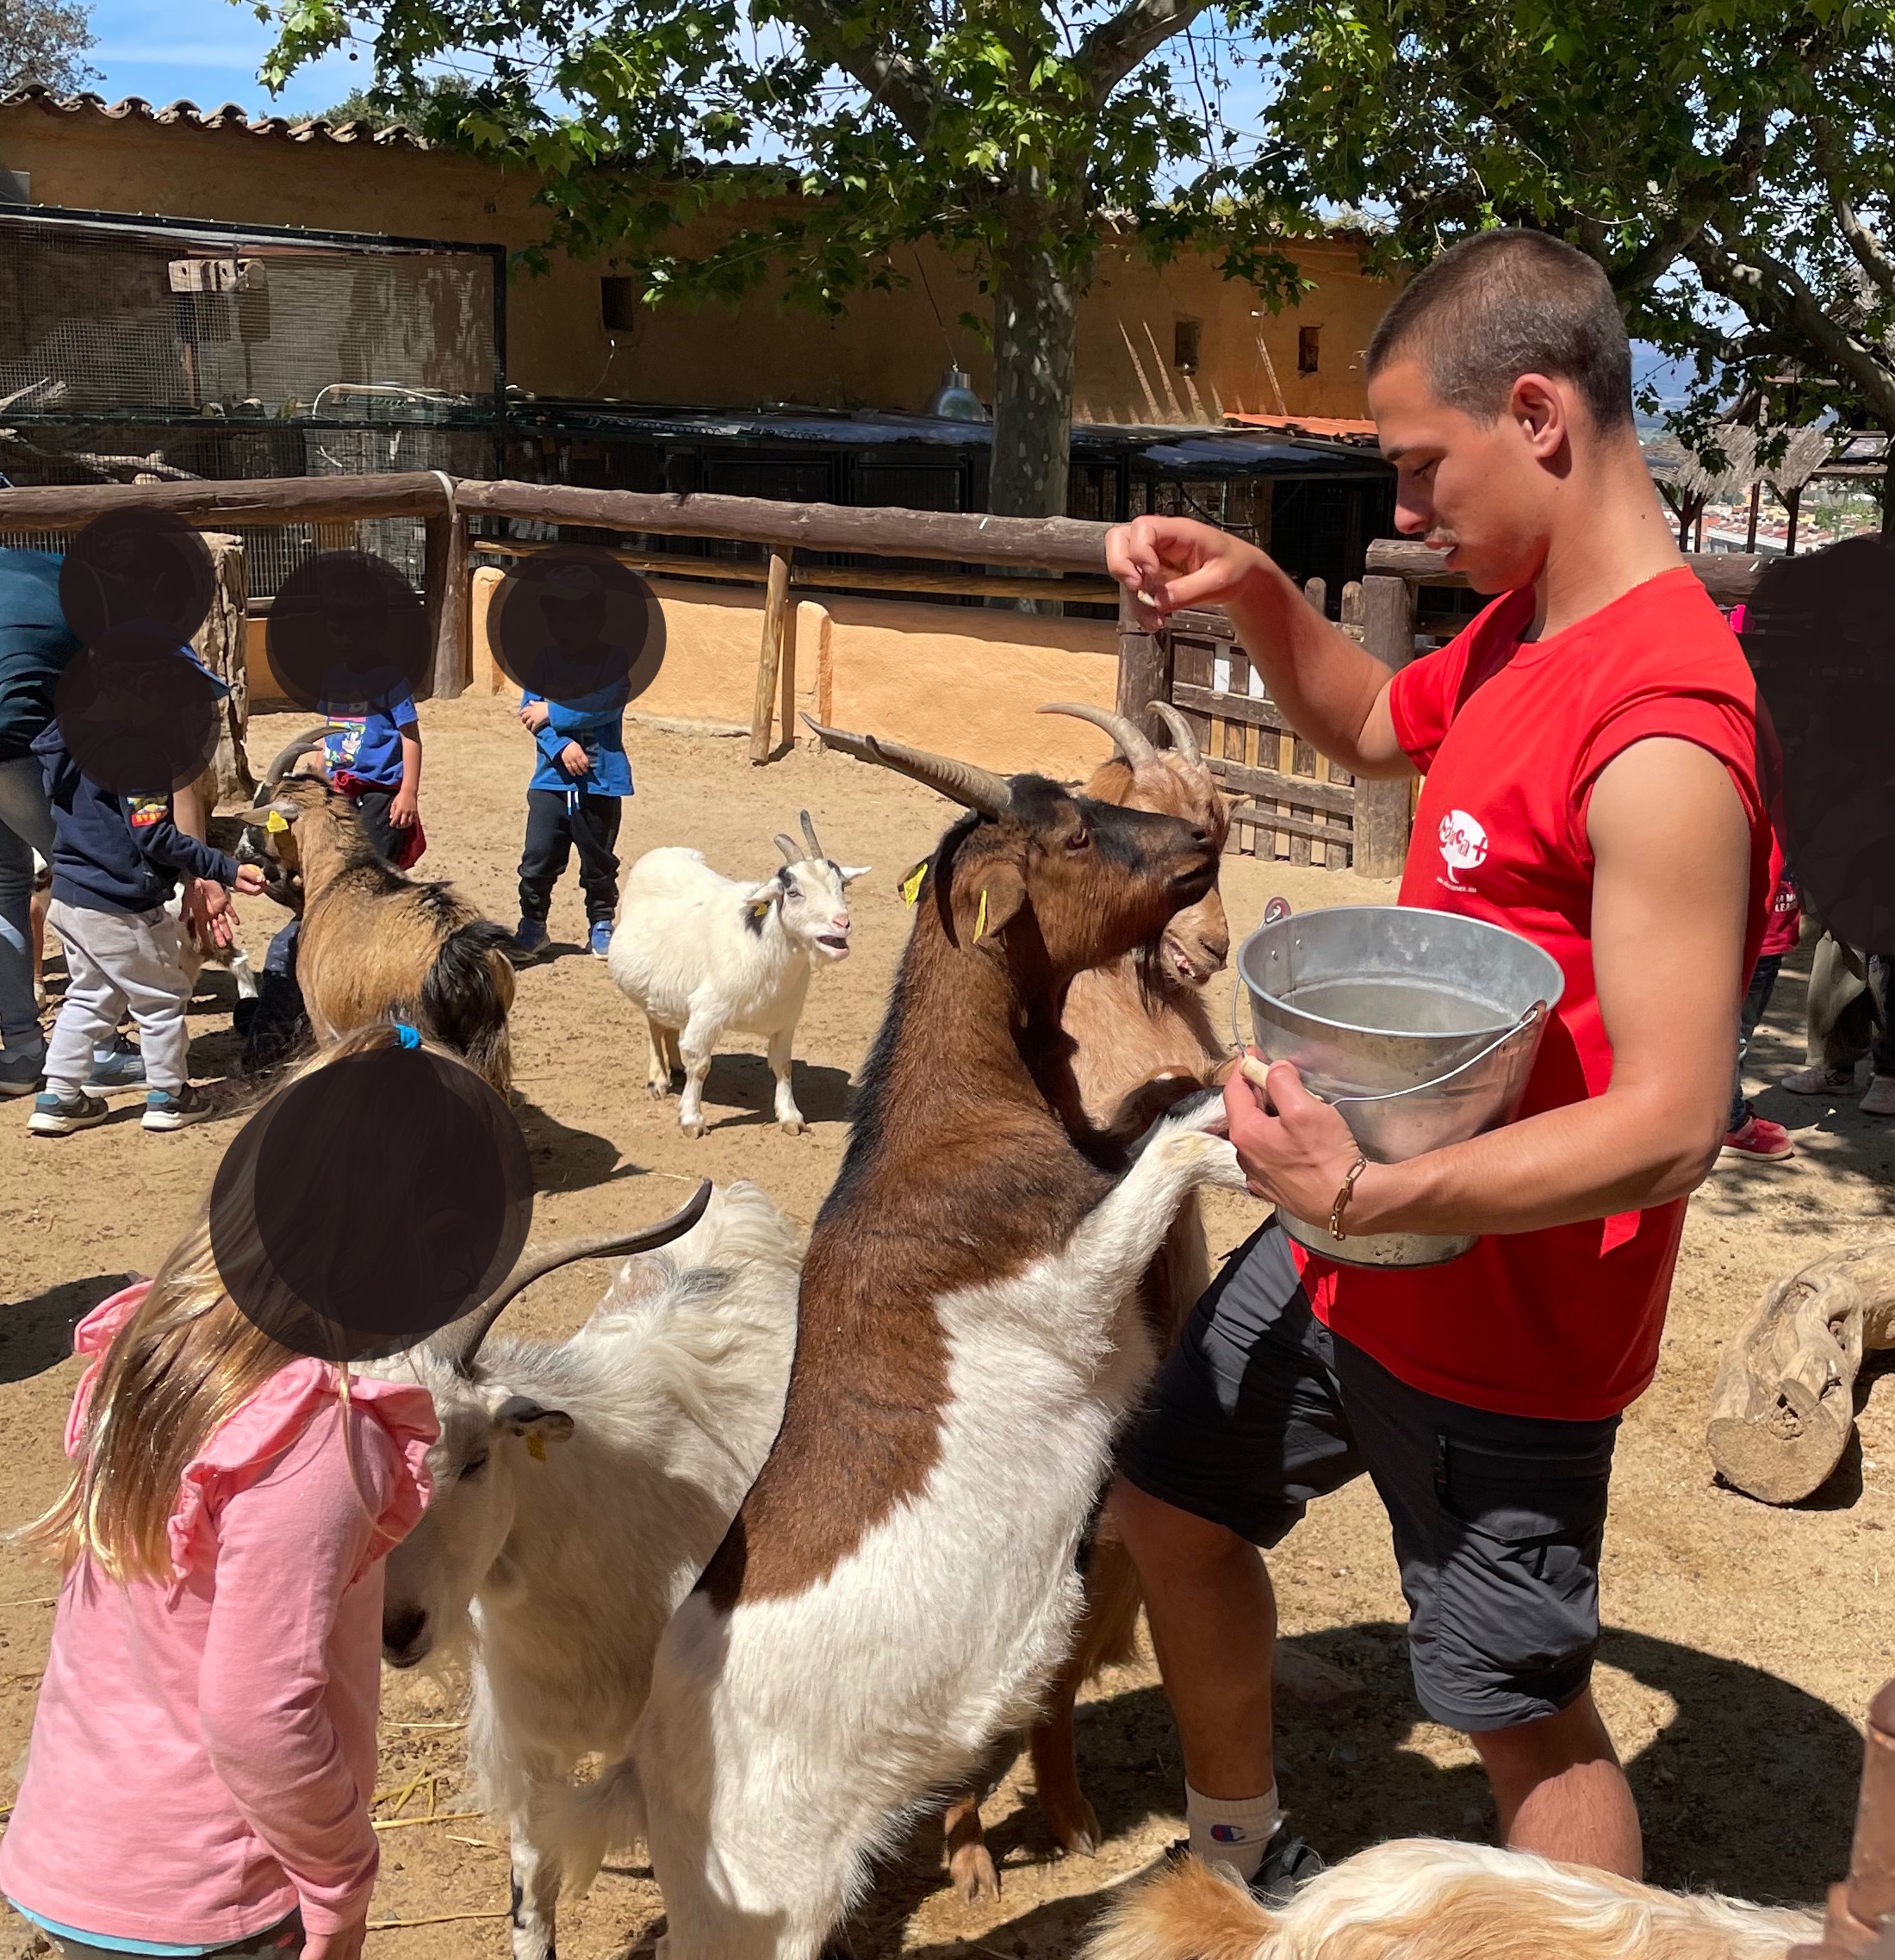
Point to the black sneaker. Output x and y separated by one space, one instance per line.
1289 1865
175 1109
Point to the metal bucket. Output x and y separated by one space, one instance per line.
1420 1027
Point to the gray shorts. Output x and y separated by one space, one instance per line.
1498 1519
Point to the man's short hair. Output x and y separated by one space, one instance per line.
1505 303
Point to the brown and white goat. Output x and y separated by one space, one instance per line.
1429 1899
900 1584
1136 1020
375 943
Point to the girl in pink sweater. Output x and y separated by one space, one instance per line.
204 1748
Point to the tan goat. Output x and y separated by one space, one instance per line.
1134 1022
1429 1899
377 944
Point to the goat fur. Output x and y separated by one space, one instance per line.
1431 1899
377 944
674 1389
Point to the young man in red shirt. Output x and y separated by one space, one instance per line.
1588 753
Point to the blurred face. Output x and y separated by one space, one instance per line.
1485 494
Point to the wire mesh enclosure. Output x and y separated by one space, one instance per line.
142 350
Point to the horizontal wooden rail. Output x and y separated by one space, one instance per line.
839 578
1728 576
250 501
1045 543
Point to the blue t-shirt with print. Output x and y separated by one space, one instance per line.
368 743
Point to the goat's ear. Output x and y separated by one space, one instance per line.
520 1415
849 873
988 901
270 815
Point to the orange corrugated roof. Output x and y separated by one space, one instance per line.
1338 426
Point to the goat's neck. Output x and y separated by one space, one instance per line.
329 841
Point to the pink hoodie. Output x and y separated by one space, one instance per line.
204 1752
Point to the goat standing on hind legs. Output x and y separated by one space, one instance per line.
899 1585
1135 1022
375 944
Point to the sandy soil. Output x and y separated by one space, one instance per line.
1743 1645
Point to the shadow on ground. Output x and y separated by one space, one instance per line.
37 1334
744 1082
566 1159
1750 1789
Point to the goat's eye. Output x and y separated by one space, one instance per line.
472 1467
1079 839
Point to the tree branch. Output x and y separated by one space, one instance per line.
1867 248
1115 47
1774 295
902 86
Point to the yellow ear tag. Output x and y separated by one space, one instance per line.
275 821
536 1446
912 883
980 923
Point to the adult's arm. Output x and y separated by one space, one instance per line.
287 1547
1331 692
1672 866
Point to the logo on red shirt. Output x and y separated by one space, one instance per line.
1463 846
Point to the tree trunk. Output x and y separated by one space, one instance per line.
1035 318
1783 1407
219 642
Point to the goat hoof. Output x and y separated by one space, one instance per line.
1077 1835
657 1090
792 1125
693 1127
974 1875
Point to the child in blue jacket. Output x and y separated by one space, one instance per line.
572 802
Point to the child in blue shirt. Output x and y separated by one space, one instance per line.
375 759
576 709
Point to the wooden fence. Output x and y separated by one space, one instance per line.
1288 801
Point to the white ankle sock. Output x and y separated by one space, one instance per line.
1232 1831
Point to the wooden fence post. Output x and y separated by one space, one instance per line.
1143 661
1382 808
776 606
445 577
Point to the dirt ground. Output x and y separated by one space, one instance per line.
1744 1643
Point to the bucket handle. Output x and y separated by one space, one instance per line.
1526 1020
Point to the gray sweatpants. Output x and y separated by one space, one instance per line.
119 963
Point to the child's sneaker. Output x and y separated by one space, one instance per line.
1758 1138
122 1068
530 938
60 1116
173 1109
600 938
1880 1098
1818 1081
20 1069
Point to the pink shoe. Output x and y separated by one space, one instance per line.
1760 1138
1880 1098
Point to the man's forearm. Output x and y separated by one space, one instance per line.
1325 685
1591 1159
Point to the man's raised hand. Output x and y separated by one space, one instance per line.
1168 564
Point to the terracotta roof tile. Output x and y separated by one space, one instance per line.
229 116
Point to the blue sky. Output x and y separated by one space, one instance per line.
205 50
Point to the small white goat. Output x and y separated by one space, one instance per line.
702 955
557 1566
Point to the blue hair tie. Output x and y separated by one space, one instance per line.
405 1036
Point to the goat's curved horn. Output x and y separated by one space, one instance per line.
460 1341
294 753
808 835
977 788
1134 743
1182 741
787 845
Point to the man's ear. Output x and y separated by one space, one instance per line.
988 901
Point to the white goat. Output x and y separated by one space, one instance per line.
703 955
557 1566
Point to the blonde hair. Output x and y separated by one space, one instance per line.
183 1364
